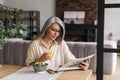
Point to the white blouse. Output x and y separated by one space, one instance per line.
61 53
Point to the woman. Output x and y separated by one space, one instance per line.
51 38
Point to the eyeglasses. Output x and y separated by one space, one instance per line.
55 30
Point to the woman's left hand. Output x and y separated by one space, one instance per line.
85 65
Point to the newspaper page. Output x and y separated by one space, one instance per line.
74 64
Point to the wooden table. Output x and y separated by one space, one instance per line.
8 69
67 75
75 75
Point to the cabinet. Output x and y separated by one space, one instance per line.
31 18
81 32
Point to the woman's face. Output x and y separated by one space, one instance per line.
53 31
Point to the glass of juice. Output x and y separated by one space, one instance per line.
49 53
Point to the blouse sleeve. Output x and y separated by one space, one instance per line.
68 54
31 53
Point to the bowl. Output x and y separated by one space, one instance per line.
39 68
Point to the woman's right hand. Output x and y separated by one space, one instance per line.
44 57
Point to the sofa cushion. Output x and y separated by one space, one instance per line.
83 49
1 56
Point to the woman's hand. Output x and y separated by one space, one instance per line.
85 65
44 57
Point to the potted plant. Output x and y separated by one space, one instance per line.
8 27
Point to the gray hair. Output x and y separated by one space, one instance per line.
47 24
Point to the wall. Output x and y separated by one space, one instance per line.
112 21
46 7
89 6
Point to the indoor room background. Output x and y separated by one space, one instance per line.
47 8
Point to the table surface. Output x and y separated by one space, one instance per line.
66 75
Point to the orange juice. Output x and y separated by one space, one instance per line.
50 53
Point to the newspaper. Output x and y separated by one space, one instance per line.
75 63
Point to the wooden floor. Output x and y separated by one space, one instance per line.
115 76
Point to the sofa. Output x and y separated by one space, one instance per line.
14 52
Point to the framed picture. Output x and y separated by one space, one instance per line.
74 17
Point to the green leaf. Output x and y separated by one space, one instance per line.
1 24
7 32
45 65
37 63
24 33
9 14
21 31
14 32
24 26
19 12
